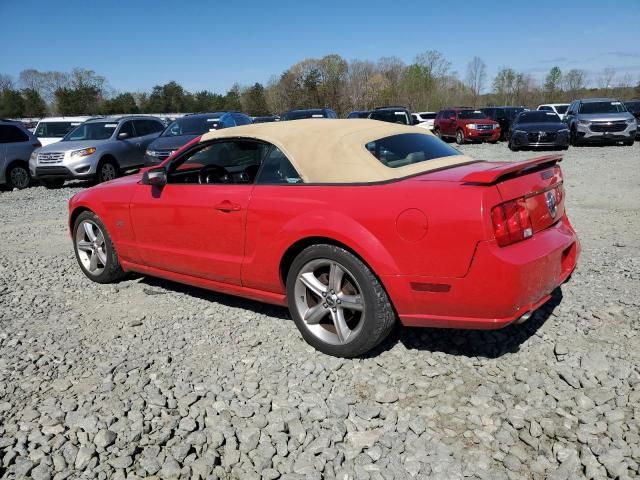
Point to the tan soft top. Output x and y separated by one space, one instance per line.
333 151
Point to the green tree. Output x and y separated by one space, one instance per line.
504 86
34 105
254 101
553 84
83 100
123 103
11 104
232 99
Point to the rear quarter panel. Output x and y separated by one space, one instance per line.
365 218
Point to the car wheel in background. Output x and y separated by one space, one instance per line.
17 176
337 303
53 182
94 249
460 137
573 138
107 170
512 147
437 133
628 143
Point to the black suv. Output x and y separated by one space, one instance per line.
504 116
308 113
184 129
393 115
359 114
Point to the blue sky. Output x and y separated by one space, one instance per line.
211 44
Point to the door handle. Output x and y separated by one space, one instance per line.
227 206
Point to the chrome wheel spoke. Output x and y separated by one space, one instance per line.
351 302
335 277
93 262
84 246
102 256
88 229
313 284
315 314
100 239
342 329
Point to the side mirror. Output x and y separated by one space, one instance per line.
123 136
155 176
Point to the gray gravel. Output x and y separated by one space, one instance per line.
148 378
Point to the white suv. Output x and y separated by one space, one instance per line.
558 108
425 119
53 129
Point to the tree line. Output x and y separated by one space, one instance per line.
427 84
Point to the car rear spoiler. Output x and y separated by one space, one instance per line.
498 170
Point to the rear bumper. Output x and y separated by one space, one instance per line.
502 284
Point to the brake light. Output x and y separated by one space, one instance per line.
511 222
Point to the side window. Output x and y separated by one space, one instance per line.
277 169
233 162
12 134
127 127
241 120
147 127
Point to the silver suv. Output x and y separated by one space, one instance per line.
16 145
600 120
100 149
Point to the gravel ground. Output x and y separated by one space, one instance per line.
148 378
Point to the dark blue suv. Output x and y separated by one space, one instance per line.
182 130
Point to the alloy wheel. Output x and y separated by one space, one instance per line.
19 177
330 301
91 247
107 172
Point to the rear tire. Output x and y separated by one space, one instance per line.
574 138
53 183
94 249
337 303
460 140
18 176
512 147
107 170
628 143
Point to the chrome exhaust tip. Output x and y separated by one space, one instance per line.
524 318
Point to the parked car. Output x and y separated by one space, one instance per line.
399 115
634 108
424 119
359 114
558 108
504 116
16 145
184 129
266 119
53 129
538 129
99 149
231 214
308 113
600 120
465 124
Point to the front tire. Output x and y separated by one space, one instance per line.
94 249
512 147
337 303
460 140
438 133
18 177
628 143
107 170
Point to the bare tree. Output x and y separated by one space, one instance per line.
575 80
476 76
6 82
606 78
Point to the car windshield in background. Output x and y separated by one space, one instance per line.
55 129
471 115
562 108
91 131
602 107
633 106
409 148
191 126
538 117
304 114
428 116
391 116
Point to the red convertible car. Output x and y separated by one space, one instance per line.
353 224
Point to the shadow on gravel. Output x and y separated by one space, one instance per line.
221 298
472 343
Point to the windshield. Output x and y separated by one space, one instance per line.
633 106
191 126
300 114
91 131
602 107
392 116
561 109
427 116
538 117
55 129
409 148
471 115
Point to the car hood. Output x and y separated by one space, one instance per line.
170 143
540 127
74 145
606 117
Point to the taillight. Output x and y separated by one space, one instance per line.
36 144
511 222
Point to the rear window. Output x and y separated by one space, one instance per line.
391 116
409 148
55 129
427 116
12 134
